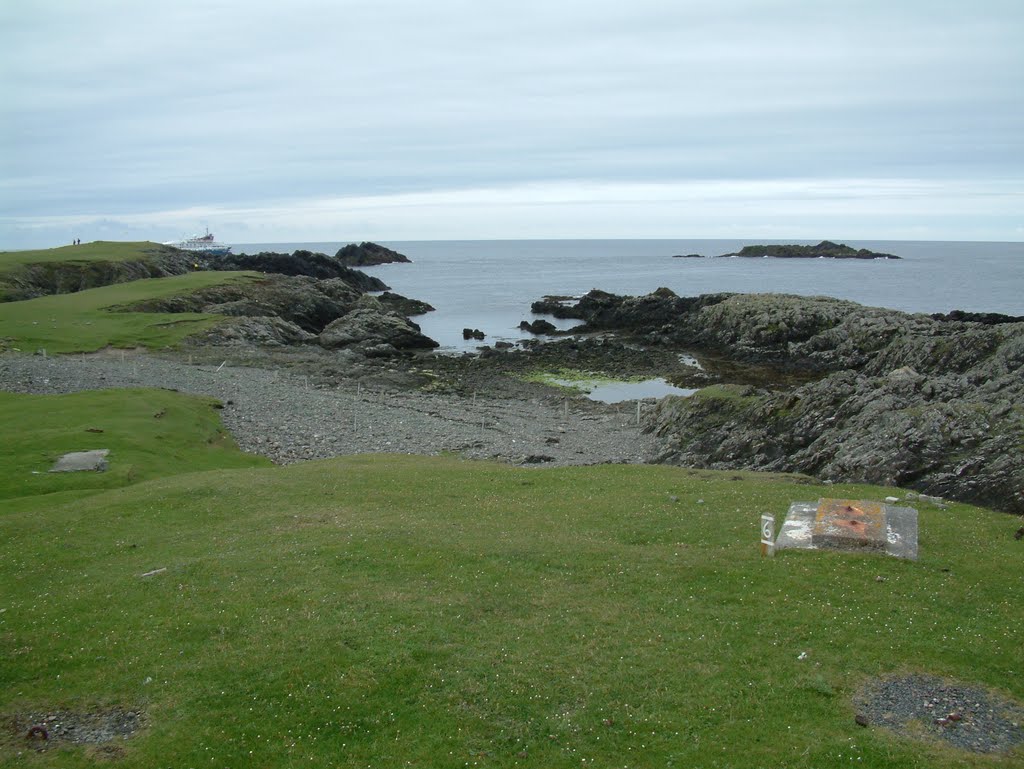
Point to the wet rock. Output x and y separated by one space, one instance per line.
473 333
539 326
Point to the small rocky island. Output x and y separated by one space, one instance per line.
368 254
824 250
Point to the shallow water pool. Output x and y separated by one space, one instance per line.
616 392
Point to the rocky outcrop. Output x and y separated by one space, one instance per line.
946 436
368 254
824 250
308 263
934 405
308 303
259 331
278 310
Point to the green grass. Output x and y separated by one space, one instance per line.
150 434
100 250
88 320
393 611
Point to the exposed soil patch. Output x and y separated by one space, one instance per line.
41 730
928 707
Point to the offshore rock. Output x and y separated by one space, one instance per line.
539 326
367 254
824 250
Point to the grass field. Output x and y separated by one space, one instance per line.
407 611
100 250
88 320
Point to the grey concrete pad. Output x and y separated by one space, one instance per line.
82 461
797 531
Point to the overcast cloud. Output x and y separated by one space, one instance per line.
393 119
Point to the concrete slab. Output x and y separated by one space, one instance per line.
882 528
82 461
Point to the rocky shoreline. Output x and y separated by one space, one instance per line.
326 361
933 404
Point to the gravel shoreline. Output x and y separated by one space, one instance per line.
288 418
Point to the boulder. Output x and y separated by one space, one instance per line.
371 328
473 333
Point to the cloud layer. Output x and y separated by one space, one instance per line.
393 119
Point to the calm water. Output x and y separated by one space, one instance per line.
489 284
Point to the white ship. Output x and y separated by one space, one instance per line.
201 244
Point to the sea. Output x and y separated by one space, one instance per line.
490 284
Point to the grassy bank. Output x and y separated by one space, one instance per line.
89 320
99 250
391 611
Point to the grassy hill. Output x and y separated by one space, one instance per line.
96 251
89 320
407 611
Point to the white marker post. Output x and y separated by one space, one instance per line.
767 536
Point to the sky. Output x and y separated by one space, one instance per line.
341 120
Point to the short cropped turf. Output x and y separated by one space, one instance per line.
100 250
390 611
90 320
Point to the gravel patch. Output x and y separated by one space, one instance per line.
289 418
968 717
48 729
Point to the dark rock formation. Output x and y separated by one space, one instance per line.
473 333
368 254
824 250
306 263
562 307
539 326
403 305
934 405
687 256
